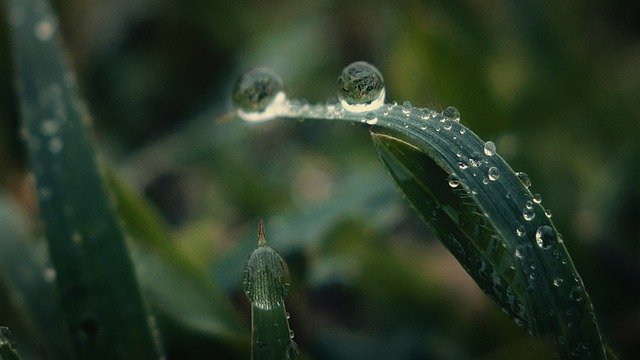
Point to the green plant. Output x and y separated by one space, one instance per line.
480 208
431 156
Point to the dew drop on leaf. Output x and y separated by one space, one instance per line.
524 179
494 173
545 236
371 119
453 181
537 198
361 87
489 148
452 113
528 213
259 95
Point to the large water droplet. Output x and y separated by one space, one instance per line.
537 198
452 113
494 173
259 95
524 179
361 87
545 236
489 148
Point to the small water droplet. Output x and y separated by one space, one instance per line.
518 253
576 293
462 165
494 173
453 181
259 95
55 145
547 212
528 214
425 114
49 127
406 108
446 124
520 231
524 179
49 274
545 236
44 29
291 334
463 130
361 87
537 198
288 315
489 148
557 282
371 118
452 113
528 205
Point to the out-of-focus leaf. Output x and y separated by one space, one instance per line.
100 297
29 279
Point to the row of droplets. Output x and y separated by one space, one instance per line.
259 96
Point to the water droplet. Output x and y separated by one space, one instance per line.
518 253
520 231
291 334
557 282
406 108
44 29
528 205
494 173
547 212
361 87
425 114
76 238
462 164
288 315
452 113
537 198
463 130
446 124
489 148
49 127
528 214
545 236
524 179
259 95
55 145
576 293
49 274
453 181
371 119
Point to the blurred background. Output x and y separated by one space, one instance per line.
556 85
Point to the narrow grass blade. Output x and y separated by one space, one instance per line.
99 292
266 284
491 223
7 351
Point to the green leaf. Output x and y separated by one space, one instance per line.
266 284
98 288
28 279
478 219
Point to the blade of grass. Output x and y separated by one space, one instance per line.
98 288
266 284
